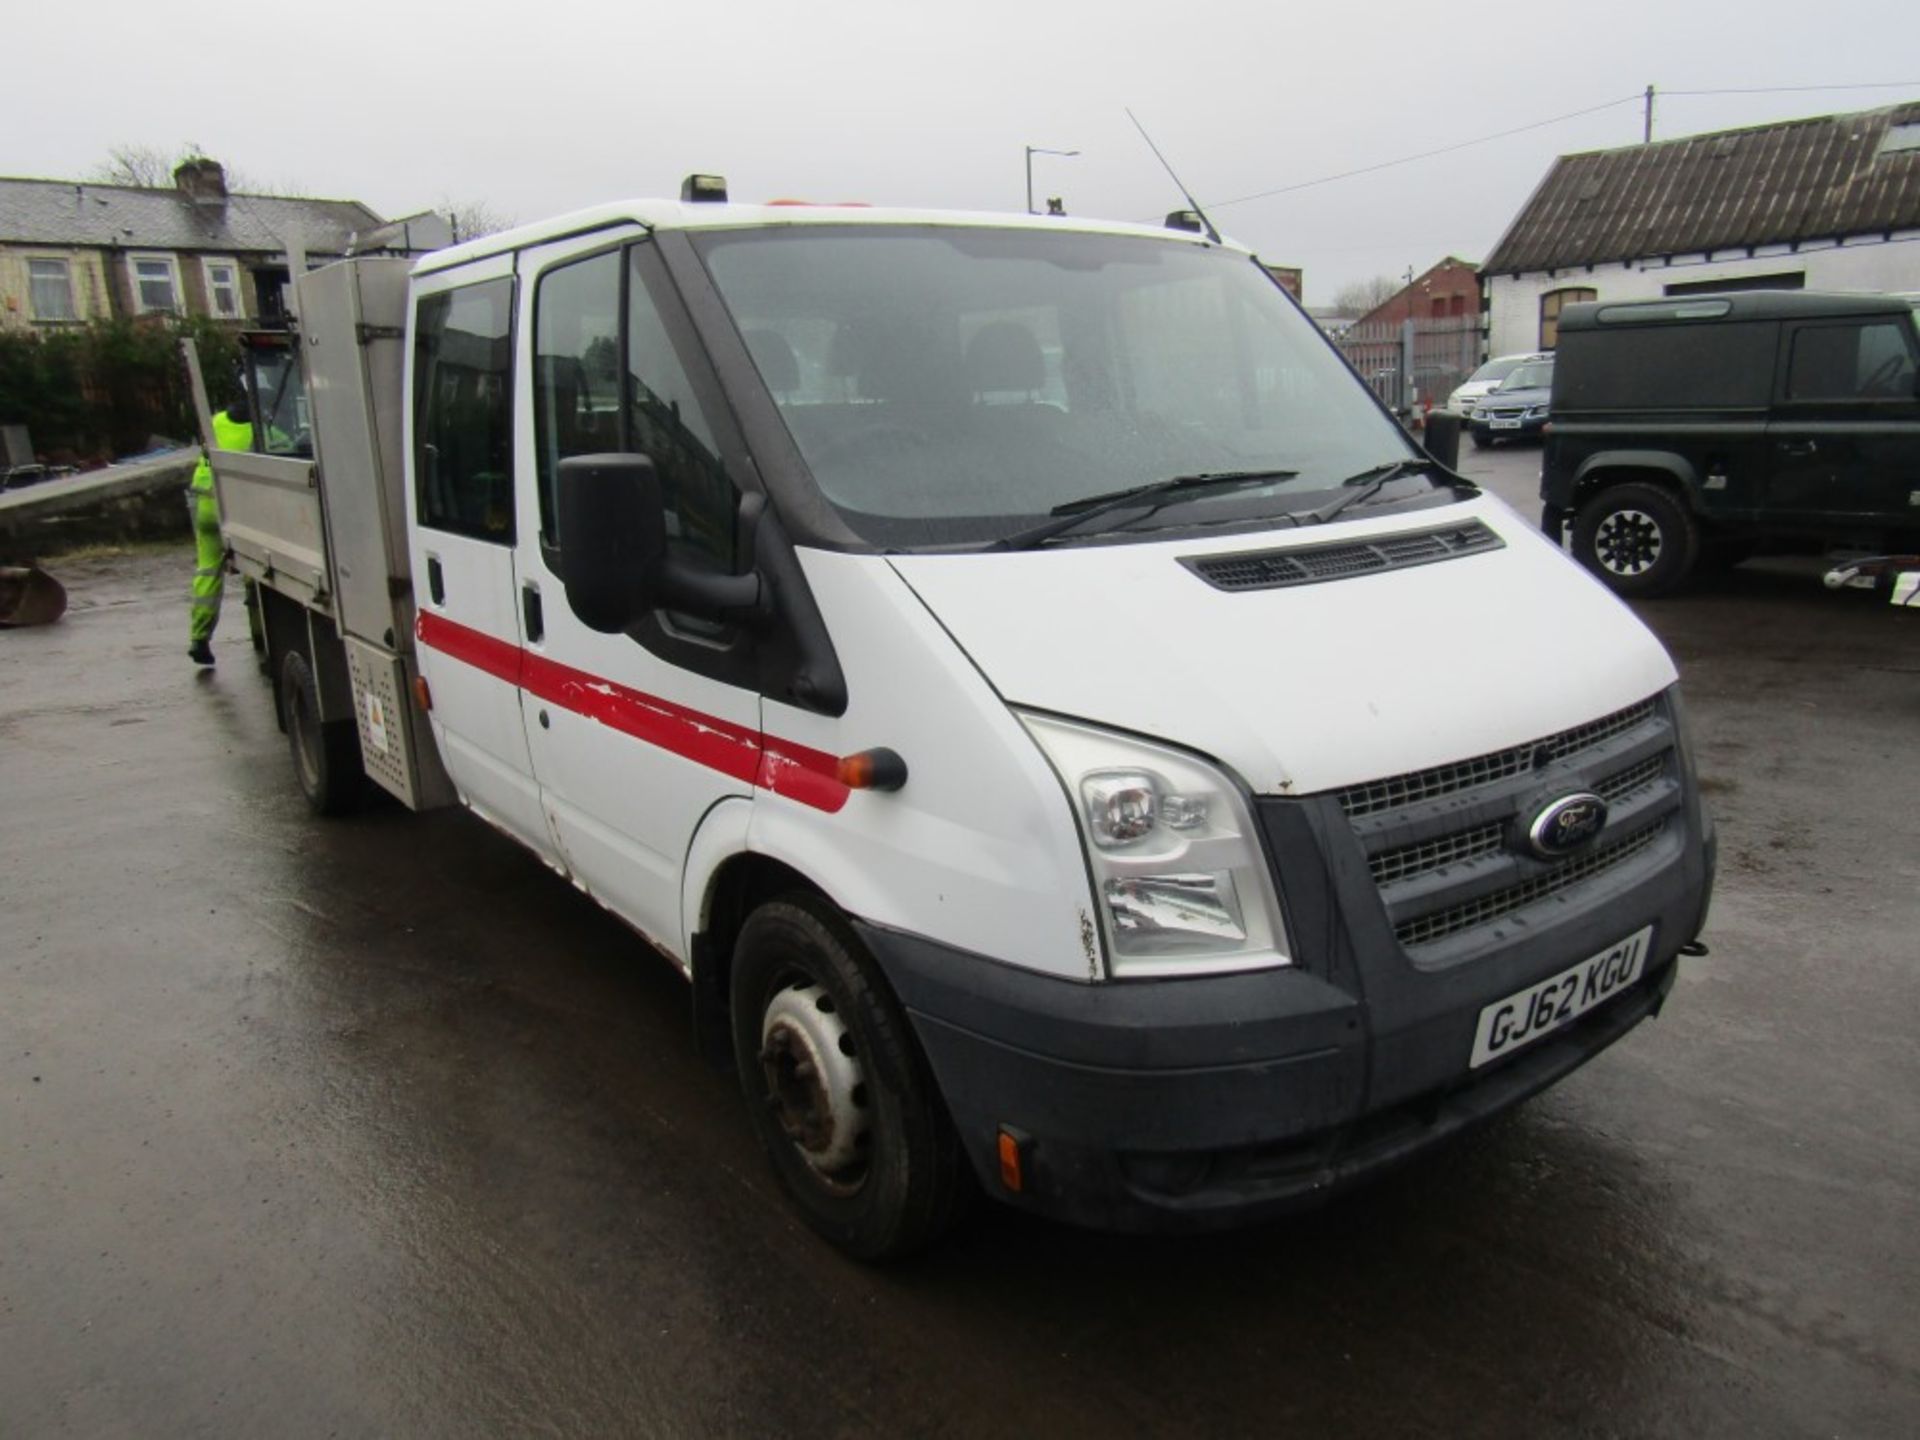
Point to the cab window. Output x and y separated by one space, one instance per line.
665 421
607 378
576 370
462 426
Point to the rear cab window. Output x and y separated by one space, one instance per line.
463 416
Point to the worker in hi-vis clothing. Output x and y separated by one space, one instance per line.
232 430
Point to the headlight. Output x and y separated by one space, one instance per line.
1538 412
1178 871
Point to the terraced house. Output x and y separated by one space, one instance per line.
73 251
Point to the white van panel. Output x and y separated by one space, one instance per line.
978 849
1309 687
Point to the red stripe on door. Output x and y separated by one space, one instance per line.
499 658
797 772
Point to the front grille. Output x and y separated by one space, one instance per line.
1487 908
1314 564
1391 867
1444 845
1636 777
1430 855
1418 785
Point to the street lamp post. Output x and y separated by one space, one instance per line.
1033 150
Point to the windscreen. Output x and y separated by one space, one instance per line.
1495 371
948 385
280 397
1535 376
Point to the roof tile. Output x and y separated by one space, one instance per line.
66 212
1815 179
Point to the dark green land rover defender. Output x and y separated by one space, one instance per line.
1707 427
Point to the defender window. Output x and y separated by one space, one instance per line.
463 421
1851 362
1710 365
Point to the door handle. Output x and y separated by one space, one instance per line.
530 613
436 582
1799 447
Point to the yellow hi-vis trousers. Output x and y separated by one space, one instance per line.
209 566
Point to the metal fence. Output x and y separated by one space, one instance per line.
1414 363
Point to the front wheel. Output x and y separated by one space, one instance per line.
1637 538
839 1094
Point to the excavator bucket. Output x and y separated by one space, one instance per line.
30 596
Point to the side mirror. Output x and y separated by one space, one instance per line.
613 538
1443 437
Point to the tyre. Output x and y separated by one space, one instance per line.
836 1086
1481 440
1637 538
326 754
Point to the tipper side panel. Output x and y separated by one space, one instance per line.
352 328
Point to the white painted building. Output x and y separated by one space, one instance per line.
1831 203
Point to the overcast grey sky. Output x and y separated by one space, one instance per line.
540 108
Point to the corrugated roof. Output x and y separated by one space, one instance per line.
1815 179
66 212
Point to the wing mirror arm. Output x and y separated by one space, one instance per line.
711 593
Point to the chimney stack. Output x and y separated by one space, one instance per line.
202 181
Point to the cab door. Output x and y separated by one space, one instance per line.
635 736
460 444
1845 439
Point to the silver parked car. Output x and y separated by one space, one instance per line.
1475 387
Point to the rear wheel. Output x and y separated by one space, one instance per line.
326 753
1637 538
838 1092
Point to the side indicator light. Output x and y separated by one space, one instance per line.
1011 1176
878 769
422 696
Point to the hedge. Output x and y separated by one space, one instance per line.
95 392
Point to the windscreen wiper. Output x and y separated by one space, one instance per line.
1152 495
1368 483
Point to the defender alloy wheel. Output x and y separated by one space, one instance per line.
1637 538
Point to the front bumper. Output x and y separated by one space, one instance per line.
1199 1104
1484 428
1203 1102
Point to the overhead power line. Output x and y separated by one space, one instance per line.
1637 99
1427 154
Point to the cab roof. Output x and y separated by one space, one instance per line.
681 215
1708 308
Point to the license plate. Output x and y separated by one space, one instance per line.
1542 1008
1504 424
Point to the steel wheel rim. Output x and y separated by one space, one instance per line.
1628 542
816 1086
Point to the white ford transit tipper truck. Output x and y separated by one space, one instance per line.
1068 735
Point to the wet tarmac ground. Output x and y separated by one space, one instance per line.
375 1127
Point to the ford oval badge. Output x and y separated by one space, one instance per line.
1567 824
